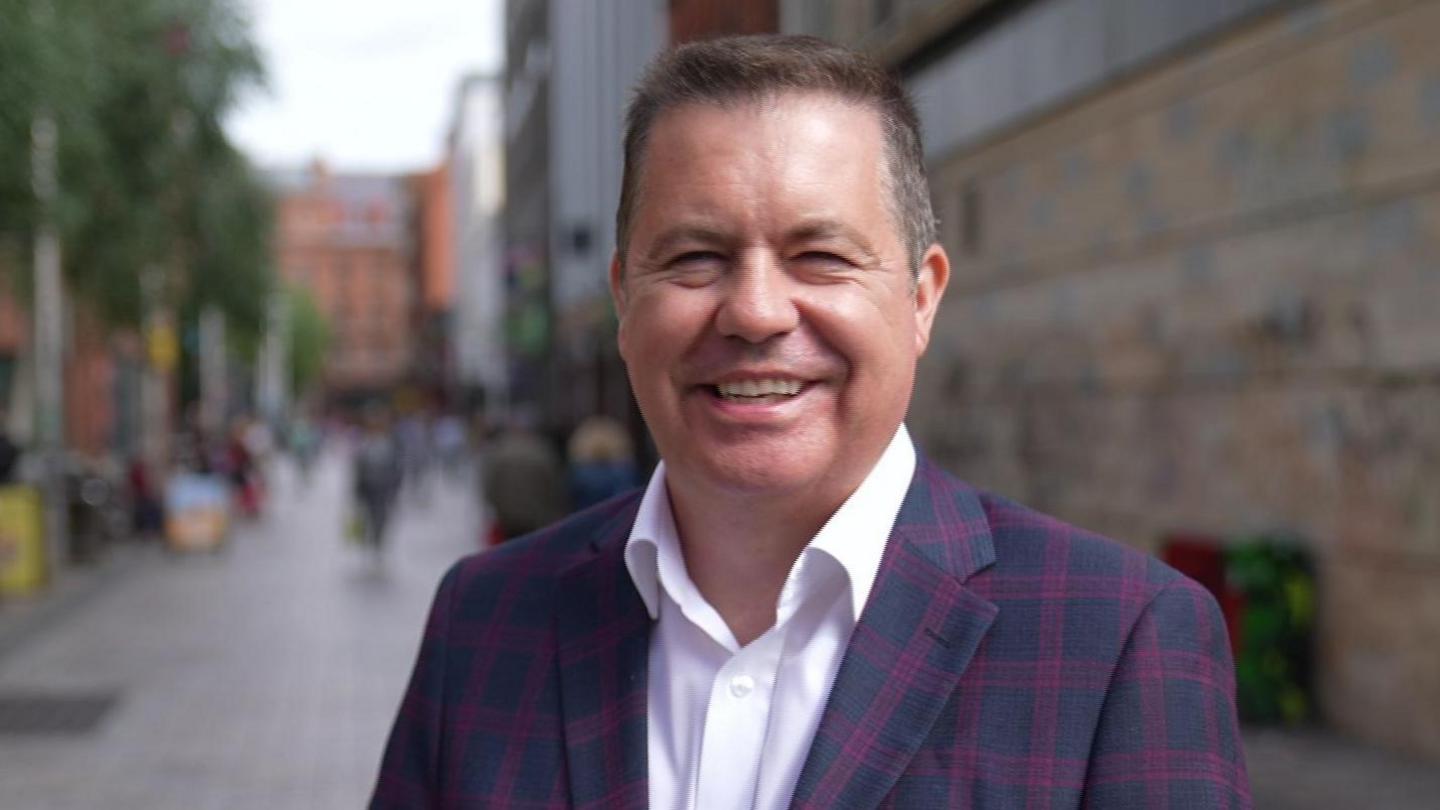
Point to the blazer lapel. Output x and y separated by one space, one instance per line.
915 637
603 635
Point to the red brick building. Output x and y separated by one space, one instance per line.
434 224
347 238
14 339
94 357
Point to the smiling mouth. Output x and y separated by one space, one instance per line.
773 390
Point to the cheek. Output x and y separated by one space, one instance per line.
656 330
866 330
672 312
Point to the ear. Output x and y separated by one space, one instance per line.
929 287
617 284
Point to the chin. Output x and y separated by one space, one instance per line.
762 474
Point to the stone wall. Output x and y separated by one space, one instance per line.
1207 297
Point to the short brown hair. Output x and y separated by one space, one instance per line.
730 69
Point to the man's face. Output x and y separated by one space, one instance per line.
768 317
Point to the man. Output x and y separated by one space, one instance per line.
798 611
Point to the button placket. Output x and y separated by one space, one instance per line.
741 686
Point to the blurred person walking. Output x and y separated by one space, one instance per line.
242 464
304 440
147 512
524 483
377 478
602 462
451 443
9 452
413 437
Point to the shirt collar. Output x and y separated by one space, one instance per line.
855 536
652 537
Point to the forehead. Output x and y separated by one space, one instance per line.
773 119
791 148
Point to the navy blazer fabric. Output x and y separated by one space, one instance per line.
1004 660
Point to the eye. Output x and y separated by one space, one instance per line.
823 260
695 268
696 258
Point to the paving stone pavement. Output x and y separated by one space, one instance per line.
262 676
1312 769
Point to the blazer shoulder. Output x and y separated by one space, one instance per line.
538 560
1027 540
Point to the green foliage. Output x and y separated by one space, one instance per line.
1273 667
149 185
309 340
230 258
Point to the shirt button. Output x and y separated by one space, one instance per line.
742 685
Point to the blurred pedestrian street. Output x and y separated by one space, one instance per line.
265 675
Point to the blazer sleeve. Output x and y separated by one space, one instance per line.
1168 735
410 769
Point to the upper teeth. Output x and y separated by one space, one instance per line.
759 388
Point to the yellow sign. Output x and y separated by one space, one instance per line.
22 543
163 347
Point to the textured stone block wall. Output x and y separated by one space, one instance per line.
1208 298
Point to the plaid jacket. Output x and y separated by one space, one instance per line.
1003 660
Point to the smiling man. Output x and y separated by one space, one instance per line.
798 610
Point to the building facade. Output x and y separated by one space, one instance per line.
598 53
347 238
525 257
433 368
570 65
476 190
1196 258
703 19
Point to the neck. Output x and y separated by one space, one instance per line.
739 548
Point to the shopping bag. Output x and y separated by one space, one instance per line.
355 528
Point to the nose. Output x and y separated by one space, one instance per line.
758 302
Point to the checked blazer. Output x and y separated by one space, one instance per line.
1003 660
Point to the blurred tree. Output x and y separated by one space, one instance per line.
149 183
309 340
37 77
231 222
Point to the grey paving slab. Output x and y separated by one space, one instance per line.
263 676
1317 770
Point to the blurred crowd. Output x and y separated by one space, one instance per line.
526 478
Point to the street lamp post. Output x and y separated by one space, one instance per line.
49 339
214 397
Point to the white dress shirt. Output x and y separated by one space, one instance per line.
729 727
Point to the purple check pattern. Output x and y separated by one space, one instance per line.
1004 660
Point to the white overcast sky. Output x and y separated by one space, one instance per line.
365 86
